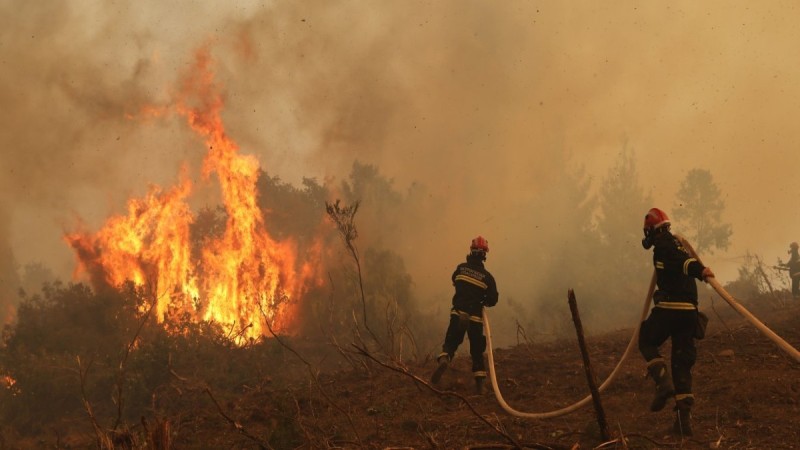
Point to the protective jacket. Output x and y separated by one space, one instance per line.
676 270
475 287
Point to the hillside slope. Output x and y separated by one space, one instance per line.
747 396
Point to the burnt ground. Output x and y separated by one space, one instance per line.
747 397
747 394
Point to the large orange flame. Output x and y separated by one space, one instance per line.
243 277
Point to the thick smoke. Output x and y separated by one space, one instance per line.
481 114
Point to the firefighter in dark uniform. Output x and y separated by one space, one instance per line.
475 288
793 266
674 315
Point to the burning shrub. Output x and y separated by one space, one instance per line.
71 345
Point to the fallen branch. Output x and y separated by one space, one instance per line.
658 444
203 386
236 425
463 399
532 445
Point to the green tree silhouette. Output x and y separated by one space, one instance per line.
699 209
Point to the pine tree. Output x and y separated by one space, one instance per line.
699 210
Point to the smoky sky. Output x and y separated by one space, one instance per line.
484 104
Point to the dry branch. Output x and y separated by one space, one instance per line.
760 269
203 386
121 371
236 425
103 440
344 218
587 366
160 436
363 351
314 376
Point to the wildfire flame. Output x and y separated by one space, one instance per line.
7 382
243 277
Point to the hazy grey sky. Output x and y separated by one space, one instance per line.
473 99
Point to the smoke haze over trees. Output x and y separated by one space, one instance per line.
501 121
548 128
700 209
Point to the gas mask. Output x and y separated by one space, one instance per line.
647 241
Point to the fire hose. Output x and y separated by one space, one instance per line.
586 400
785 346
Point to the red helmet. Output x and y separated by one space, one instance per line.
655 218
479 244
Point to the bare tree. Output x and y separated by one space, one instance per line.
344 218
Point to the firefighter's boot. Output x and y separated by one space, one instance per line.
664 388
479 382
444 361
683 418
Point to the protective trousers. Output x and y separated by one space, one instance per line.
473 327
679 325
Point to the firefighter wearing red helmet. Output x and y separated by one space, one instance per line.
475 288
674 316
793 266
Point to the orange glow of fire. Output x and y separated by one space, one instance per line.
243 277
7 382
